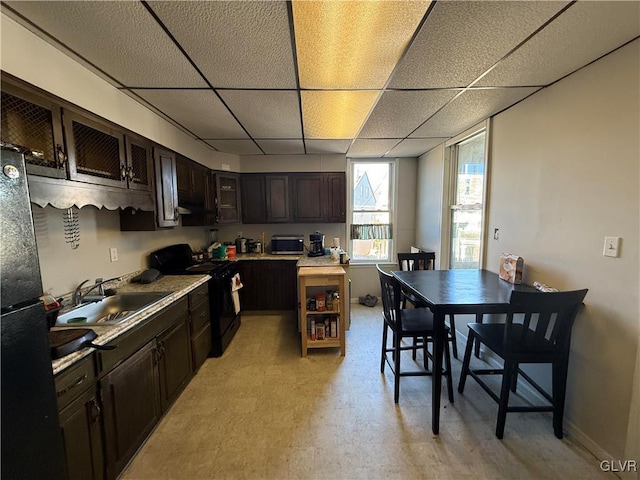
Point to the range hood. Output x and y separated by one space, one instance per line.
65 194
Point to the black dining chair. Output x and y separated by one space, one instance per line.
407 323
424 261
537 330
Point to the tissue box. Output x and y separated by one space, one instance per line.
511 268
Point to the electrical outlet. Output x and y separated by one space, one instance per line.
113 254
611 247
239 234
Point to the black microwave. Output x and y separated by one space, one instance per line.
287 244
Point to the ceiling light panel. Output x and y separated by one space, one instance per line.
282 147
134 49
200 111
414 147
335 114
315 146
348 45
461 39
470 108
239 147
398 113
236 44
580 35
266 113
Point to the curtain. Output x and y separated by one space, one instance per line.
370 231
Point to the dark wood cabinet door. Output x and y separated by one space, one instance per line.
254 206
336 197
268 285
228 197
33 123
131 406
174 352
166 188
277 193
183 178
139 170
81 426
96 150
308 198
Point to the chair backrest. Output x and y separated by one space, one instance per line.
547 318
390 296
416 261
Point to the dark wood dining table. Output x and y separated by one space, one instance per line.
463 291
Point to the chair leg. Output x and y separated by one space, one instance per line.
465 362
415 348
425 353
514 381
559 386
396 374
384 346
507 376
447 365
452 333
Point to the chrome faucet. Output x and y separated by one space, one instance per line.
79 297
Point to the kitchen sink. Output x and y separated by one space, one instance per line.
110 310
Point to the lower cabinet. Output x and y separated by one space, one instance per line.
109 402
80 419
131 401
268 284
200 325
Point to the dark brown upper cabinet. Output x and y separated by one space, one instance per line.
265 198
96 150
139 168
191 182
228 197
33 123
166 188
319 197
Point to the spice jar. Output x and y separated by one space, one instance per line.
321 305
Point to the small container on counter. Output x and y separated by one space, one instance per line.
231 251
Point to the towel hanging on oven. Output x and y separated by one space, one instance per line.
236 285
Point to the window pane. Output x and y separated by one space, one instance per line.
371 217
371 186
465 238
470 178
373 250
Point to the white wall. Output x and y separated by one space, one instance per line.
429 201
564 172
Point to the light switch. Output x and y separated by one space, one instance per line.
611 247
113 254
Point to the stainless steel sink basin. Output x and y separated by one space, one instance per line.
111 310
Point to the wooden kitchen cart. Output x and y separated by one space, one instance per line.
317 280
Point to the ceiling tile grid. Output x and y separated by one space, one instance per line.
236 44
120 38
253 78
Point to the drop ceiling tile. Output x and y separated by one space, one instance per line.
414 147
199 111
291 146
350 45
335 114
316 146
398 113
371 148
239 147
460 40
133 50
470 108
266 113
235 44
580 35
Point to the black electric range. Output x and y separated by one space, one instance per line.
178 260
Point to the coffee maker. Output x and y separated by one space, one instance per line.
316 244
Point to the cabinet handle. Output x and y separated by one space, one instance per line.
131 173
95 410
61 157
123 172
72 386
175 214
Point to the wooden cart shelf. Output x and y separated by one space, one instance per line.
310 278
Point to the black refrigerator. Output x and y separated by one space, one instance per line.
31 437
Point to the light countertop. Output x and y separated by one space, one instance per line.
179 285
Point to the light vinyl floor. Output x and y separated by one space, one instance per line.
261 411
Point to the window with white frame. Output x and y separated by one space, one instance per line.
468 163
371 211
